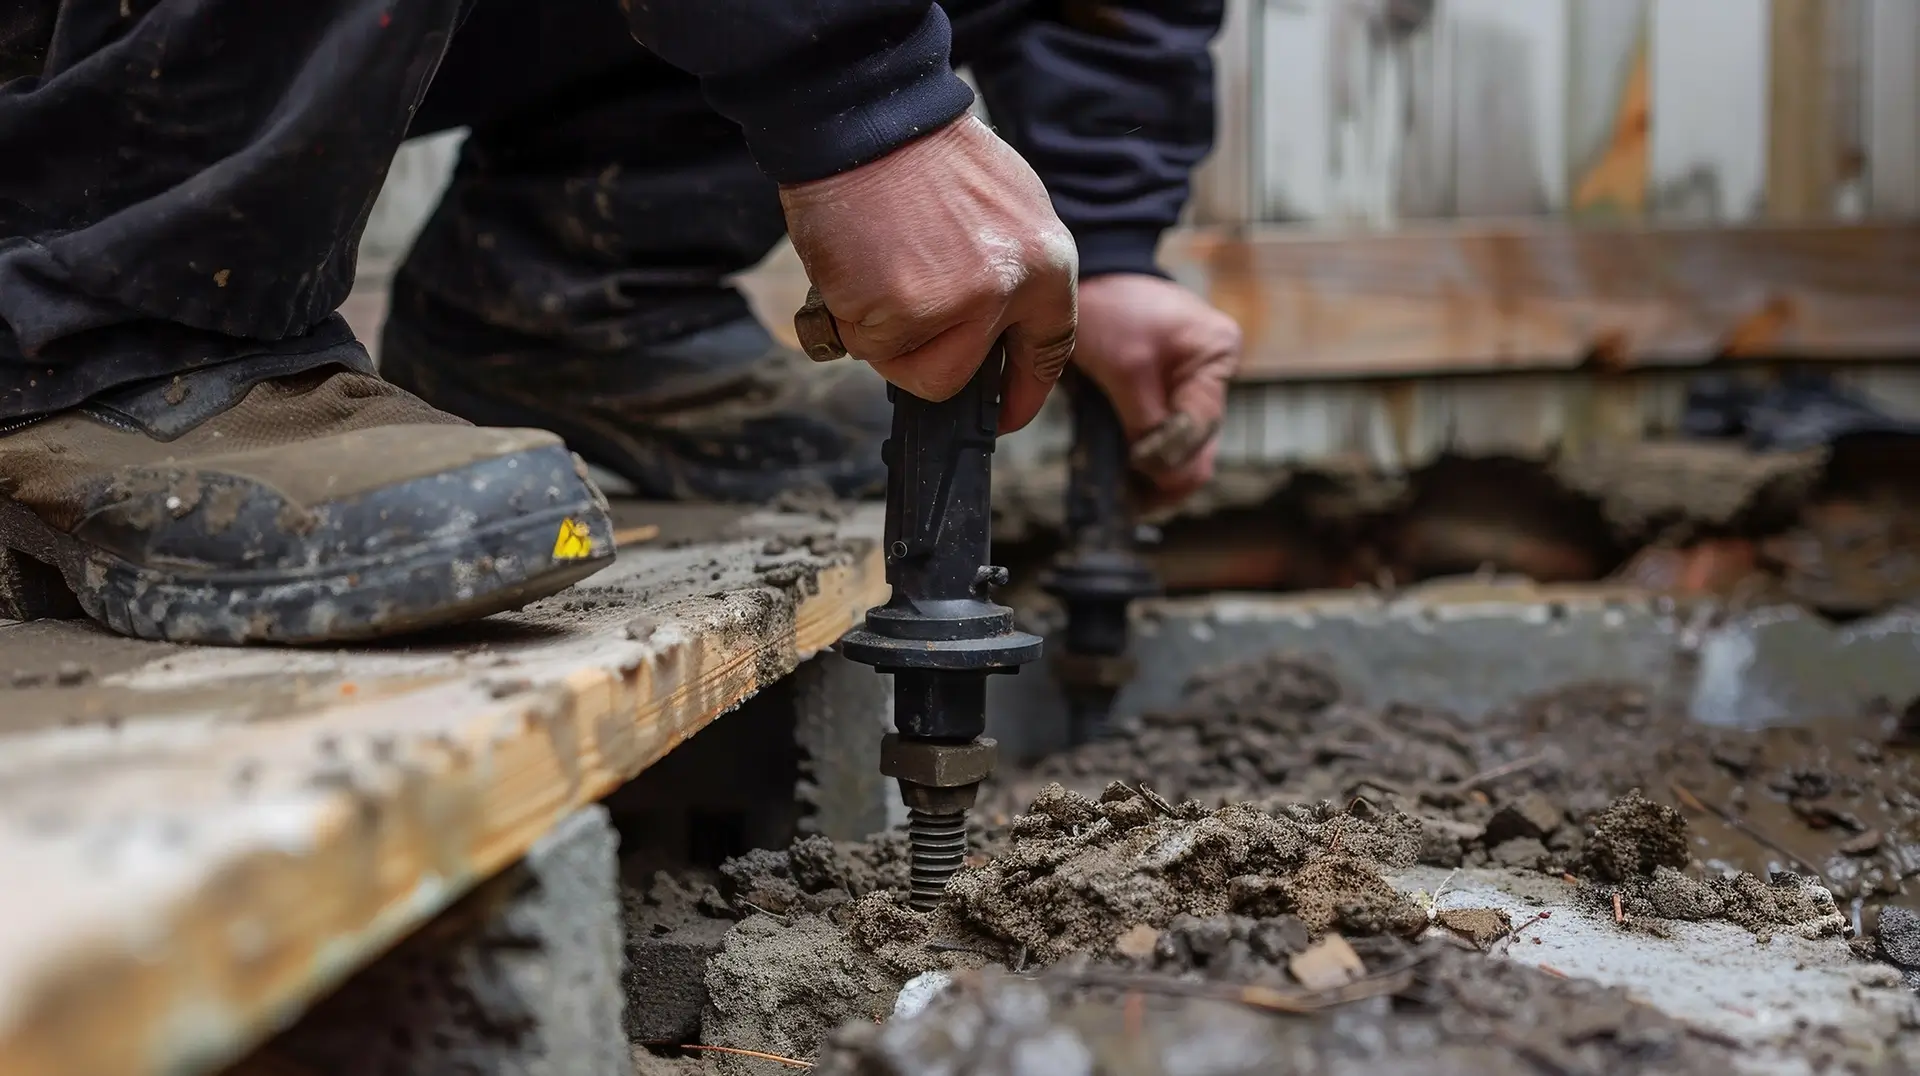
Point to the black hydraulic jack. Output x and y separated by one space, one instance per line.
1101 571
940 633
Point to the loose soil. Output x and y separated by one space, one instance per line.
1123 892
1837 798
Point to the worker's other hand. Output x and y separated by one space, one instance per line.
930 253
1163 355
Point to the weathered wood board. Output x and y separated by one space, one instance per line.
1550 296
1529 295
197 841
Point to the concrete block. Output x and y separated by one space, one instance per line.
520 978
666 981
841 709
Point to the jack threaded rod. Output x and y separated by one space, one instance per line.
939 849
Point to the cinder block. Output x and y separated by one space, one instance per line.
521 978
666 981
840 711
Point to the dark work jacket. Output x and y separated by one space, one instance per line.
1111 101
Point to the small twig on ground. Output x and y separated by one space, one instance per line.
1503 770
1134 1013
1264 998
1514 934
1159 802
786 919
792 1062
635 535
1695 803
1619 916
1553 971
1537 917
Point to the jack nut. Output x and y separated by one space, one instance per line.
938 765
819 336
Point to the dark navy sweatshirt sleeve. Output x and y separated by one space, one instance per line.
819 86
1112 102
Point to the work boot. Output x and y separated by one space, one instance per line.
321 506
720 414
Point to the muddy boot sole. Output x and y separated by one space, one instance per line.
444 577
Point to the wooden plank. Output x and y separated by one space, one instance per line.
1509 105
1802 172
1551 296
1427 171
200 841
1847 45
1892 108
1608 109
1224 184
1355 122
1708 78
1531 295
1295 109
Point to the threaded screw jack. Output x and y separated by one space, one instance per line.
939 841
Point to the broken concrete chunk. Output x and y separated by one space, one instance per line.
1522 853
920 991
1327 965
1481 926
1865 844
1532 815
666 981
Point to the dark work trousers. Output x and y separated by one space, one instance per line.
184 182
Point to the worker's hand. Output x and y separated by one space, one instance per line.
1163 355
928 254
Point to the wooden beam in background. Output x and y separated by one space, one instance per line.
1802 169
1548 296
1527 295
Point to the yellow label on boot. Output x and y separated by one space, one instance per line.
573 542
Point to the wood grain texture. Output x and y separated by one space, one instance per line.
1708 158
1223 185
211 838
1609 109
1802 168
1295 109
1549 296
1509 105
1892 108
1528 295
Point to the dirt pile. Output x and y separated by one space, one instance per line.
1521 786
1078 872
1448 1012
1638 850
823 939
1249 842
